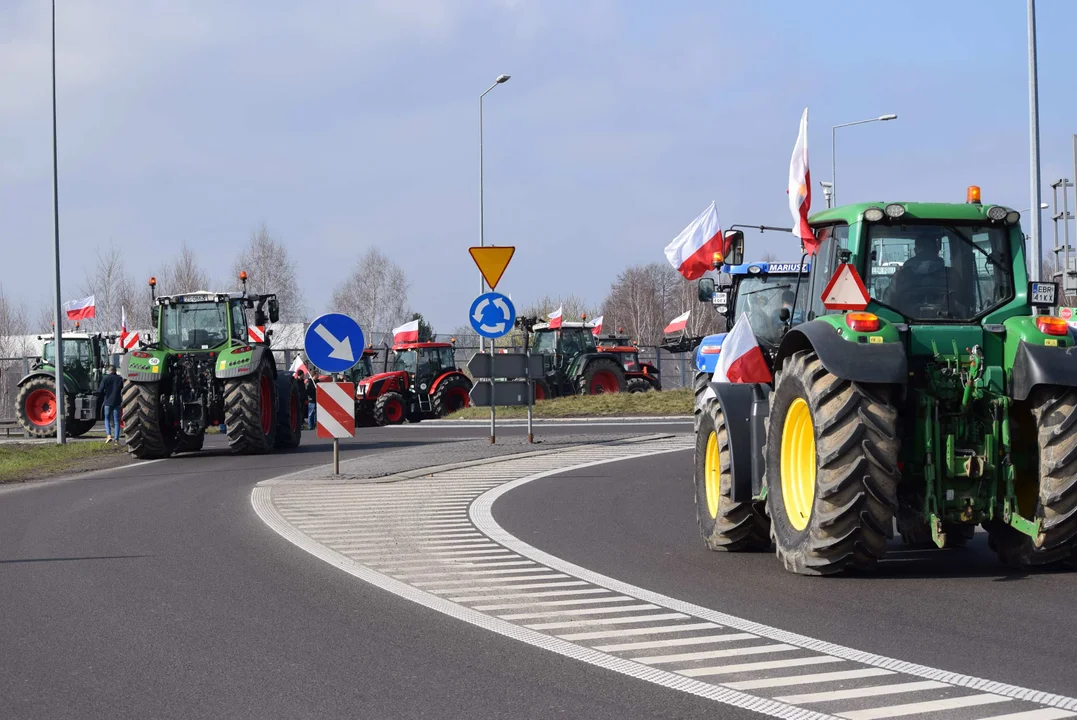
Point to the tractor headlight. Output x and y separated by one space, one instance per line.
894 210
873 214
996 213
1013 217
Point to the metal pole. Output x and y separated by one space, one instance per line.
493 395
482 213
530 397
1034 145
1066 268
1065 231
1054 218
57 336
336 456
833 196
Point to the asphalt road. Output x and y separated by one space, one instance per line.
153 591
957 609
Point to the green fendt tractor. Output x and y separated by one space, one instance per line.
950 400
205 370
85 358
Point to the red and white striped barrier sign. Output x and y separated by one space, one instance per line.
129 341
256 333
336 409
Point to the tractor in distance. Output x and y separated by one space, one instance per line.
639 376
86 356
203 371
572 363
940 395
421 382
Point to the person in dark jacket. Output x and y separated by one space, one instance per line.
111 391
312 405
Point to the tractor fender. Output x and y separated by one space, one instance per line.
233 363
881 363
448 374
68 381
147 366
378 385
1036 365
745 406
708 352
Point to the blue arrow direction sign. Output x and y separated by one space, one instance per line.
492 315
334 342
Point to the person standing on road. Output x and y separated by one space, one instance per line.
312 404
111 391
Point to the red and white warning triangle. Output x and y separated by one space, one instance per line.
846 290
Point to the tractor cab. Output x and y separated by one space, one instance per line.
572 363
203 321
84 357
422 382
644 374
364 368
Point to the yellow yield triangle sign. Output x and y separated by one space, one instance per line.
492 262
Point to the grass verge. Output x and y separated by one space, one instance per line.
26 461
667 402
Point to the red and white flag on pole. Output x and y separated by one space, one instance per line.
678 323
406 333
742 359
692 252
800 188
555 318
596 325
83 309
127 340
299 366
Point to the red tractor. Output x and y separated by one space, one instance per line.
423 383
639 376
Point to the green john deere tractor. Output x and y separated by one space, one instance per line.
572 362
205 370
85 358
949 401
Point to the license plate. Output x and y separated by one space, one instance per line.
1042 293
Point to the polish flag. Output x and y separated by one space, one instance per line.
299 366
127 340
555 318
83 309
800 188
678 323
741 360
406 333
692 252
596 325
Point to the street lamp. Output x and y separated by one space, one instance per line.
501 79
834 153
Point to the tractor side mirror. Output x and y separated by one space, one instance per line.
735 247
706 289
274 310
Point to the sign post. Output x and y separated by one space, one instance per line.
334 343
492 315
505 379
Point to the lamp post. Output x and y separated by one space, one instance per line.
57 335
834 152
1034 143
482 216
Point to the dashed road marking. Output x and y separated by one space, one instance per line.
433 540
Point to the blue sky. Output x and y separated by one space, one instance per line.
349 124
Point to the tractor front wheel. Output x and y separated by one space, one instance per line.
638 385
831 469
36 407
724 524
149 433
389 409
601 376
1053 501
291 411
250 412
452 395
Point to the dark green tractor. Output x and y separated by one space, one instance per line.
949 401
85 358
207 370
572 362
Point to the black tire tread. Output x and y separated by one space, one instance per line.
638 385
289 437
143 423
439 398
379 408
242 414
595 366
37 383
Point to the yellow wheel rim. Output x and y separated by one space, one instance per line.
798 464
712 475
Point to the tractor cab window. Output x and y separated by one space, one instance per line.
239 323
429 362
831 239
762 298
78 355
405 360
194 326
630 360
571 343
939 271
448 358
544 342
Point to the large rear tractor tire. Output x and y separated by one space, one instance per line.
1053 501
189 443
250 412
390 409
700 383
291 411
724 524
149 433
35 407
601 375
452 395
831 469
638 385
542 390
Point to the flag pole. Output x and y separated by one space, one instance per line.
57 337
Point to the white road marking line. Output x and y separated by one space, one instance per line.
505 596
709 654
538 571
577 612
808 679
432 544
440 554
1041 714
472 581
871 691
450 560
529 602
673 642
924 707
448 565
765 665
607 621
627 632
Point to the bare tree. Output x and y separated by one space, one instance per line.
183 274
768 256
644 298
572 307
13 325
270 269
375 294
111 287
